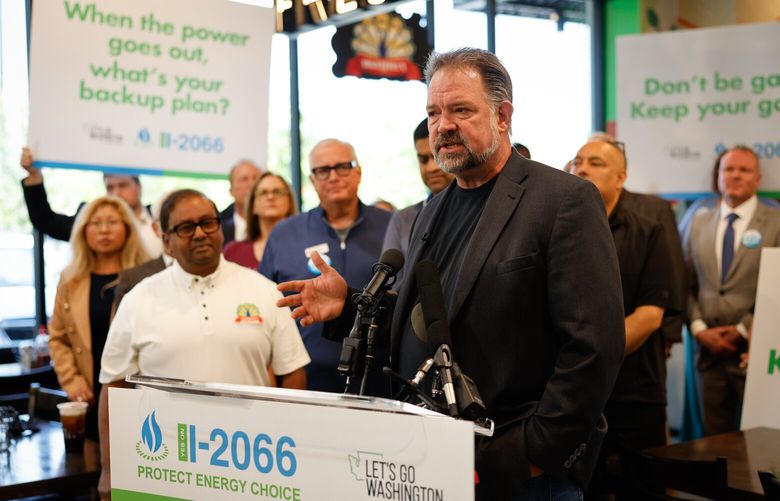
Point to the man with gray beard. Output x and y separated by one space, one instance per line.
531 286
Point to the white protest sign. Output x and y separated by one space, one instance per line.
761 406
685 95
190 446
176 86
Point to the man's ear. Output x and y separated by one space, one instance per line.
156 228
504 113
622 176
166 239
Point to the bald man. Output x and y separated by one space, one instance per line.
636 409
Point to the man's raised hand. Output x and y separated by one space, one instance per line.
317 299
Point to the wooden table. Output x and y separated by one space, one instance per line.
37 464
747 452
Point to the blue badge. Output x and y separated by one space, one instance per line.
313 269
751 239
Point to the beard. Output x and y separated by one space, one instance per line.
456 163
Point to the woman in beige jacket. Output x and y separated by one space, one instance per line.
104 242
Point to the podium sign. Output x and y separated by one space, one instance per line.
196 446
761 406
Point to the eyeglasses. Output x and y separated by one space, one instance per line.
342 169
110 224
277 192
620 145
187 228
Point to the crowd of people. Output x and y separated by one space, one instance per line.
563 290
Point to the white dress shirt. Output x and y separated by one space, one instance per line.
239 223
222 328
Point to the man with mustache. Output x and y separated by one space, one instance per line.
202 318
531 287
435 179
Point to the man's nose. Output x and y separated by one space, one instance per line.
445 123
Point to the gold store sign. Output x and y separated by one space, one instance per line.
291 15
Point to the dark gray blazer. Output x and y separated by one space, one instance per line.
228 225
537 322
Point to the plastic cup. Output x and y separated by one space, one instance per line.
73 416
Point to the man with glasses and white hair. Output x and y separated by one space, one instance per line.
348 235
203 318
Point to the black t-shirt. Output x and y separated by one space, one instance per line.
646 277
101 298
445 246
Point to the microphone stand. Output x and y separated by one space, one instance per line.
350 350
442 360
372 328
410 388
352 346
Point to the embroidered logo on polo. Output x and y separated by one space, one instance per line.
151 446
751 239
248 313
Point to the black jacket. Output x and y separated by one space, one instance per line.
537 322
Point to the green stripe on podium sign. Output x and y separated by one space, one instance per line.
123 495
181 435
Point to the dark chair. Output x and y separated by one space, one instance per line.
7 354
770 484
650 477
15 390
42 403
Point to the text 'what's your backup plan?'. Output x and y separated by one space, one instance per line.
179 86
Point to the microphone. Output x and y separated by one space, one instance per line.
460 391
353 352
437 328
391 261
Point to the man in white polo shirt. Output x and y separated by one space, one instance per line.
203 318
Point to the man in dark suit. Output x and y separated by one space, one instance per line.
530 281
242 177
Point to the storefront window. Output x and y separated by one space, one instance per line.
550 72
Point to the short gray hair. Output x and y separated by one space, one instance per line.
498 84
330 141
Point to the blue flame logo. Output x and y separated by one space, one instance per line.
151 433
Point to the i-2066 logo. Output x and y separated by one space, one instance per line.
151 446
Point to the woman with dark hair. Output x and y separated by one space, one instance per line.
269 202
